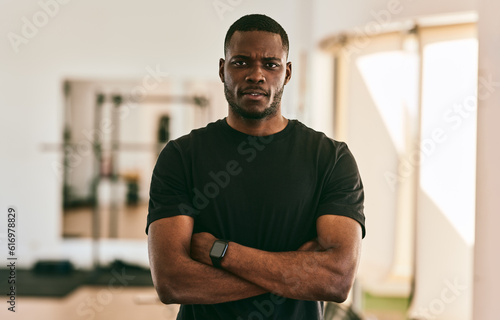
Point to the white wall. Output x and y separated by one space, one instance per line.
89 40
487 259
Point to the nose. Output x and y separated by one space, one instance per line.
255 75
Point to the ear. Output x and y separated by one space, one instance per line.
221 69
288 74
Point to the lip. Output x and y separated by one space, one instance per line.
254 96
254 93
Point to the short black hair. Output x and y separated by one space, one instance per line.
257 22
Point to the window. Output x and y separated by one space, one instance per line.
406 105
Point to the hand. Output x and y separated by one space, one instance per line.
201 243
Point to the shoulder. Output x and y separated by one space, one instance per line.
198 139
197 136
318 139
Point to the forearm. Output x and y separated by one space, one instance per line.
192 282
180 279
322 269
305 275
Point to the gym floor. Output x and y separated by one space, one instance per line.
93 303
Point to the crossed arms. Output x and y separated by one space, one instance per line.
321 269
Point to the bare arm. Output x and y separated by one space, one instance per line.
307 275
180 279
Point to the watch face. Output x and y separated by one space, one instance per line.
218 249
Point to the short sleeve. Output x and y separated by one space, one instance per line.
343 192
168 194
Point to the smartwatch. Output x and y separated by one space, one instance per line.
218 251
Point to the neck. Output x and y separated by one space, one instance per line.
257 127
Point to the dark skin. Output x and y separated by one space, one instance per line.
255 63
254 72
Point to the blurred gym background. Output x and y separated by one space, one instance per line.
91 91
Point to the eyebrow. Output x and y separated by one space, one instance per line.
241 56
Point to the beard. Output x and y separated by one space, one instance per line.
271 110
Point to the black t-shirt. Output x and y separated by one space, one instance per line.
261 192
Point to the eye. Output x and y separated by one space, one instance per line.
239 63
272 65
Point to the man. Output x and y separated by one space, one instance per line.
254 216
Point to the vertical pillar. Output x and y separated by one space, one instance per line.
487 251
